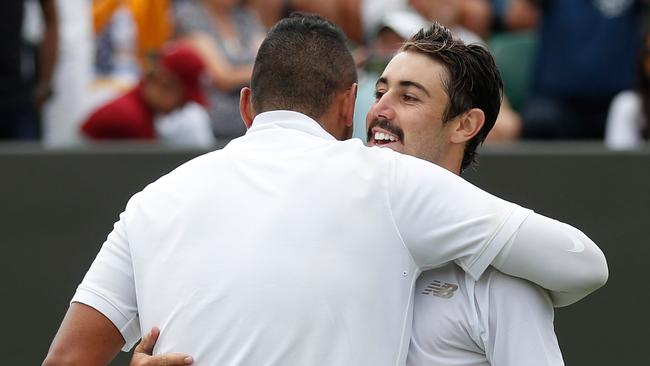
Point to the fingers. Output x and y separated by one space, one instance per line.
168 359
142 353
148 342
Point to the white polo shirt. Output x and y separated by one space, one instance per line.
288 247
497 320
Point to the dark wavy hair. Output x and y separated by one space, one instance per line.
473 79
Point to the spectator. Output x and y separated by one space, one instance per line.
72 79
20 101
173 82
447 12
152 23
627 122
586 56
359 19
227 36
129 33
477 15
515 15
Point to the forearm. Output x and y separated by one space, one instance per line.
49 48
555 256
223 75
232 78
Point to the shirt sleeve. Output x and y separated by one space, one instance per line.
442 218
556 256
109 286
520 323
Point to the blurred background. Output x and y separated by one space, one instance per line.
79 71
99 97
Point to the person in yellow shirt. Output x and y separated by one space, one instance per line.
153 20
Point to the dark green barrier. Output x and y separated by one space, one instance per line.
56 208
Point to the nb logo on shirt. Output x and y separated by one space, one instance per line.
440 289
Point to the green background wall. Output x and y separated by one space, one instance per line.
56 208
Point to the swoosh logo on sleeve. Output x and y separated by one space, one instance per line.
578 245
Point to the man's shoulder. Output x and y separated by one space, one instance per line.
197 171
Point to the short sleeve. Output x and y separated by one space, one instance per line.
442 218
520 323
109 286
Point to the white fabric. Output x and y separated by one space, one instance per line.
288 247
625 121
572 265
498 320
188 126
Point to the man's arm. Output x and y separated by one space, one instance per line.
86 337
557 256
49 48
443 218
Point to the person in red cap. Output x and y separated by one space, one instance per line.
167 87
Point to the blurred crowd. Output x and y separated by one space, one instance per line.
77 71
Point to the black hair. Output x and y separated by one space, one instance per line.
302 63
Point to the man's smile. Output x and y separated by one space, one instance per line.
381 137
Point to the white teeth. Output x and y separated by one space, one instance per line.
380 136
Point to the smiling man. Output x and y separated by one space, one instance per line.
438 99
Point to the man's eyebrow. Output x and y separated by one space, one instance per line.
405 84
409 83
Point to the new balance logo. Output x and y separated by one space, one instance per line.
440 289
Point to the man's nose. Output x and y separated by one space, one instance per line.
384 109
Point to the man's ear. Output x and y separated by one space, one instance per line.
468 125
246 106
347 110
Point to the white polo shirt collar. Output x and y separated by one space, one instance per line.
291 120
